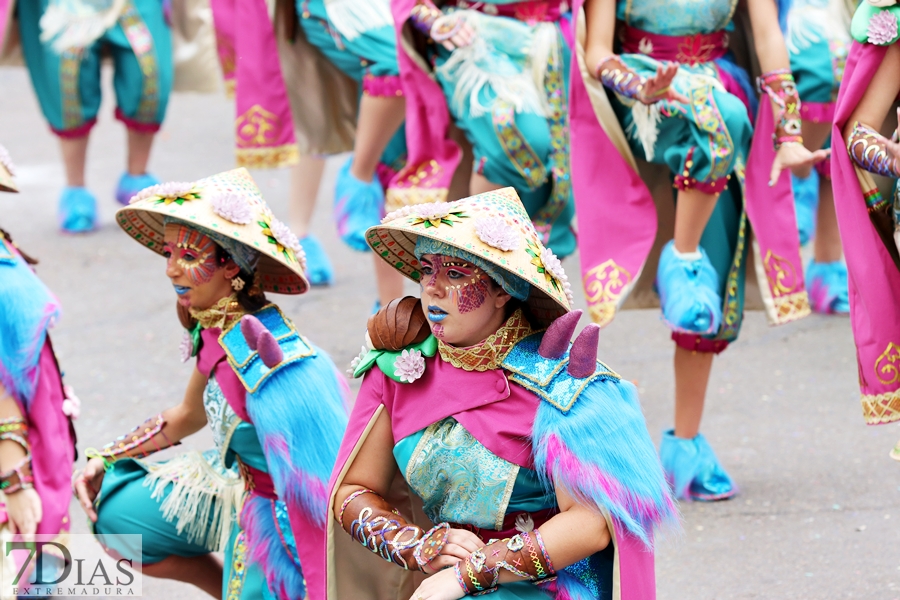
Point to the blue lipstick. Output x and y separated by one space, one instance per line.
436 314
181 290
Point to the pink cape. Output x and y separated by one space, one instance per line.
873 279
499 415
248 52
308 535
614 204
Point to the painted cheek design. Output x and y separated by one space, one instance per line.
438 331
436 267
196 255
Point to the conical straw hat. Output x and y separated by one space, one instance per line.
228 204
493 226
7 172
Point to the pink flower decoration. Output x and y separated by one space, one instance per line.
232 207
432 211
497 233
71 406
186 347
553 266
882 28
6 161
409 366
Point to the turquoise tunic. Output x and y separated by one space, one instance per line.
134 492
68 84
705 142
462 482
517 125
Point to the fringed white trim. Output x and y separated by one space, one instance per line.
470 69
202 502
646 119
811 21
353 18
72 24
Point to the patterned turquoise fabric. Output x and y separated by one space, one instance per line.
70 106
676 17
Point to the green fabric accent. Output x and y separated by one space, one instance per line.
385 359
195 339
859 27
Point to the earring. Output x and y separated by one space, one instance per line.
237 283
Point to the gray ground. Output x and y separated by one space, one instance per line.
818 512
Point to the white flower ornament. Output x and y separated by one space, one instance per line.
497 233
186 347
409 366
356 360
233 208
554 267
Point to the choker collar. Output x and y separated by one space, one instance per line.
488 354
221 315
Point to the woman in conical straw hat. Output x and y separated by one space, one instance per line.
274 402
37 440
530 459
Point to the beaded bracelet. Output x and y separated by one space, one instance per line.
13 424
123 445
868 150
423 16
779 85
17 478
615 75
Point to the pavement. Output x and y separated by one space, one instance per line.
818 512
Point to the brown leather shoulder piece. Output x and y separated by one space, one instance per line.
399 324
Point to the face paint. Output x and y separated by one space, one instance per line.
438 331
468 295
194 253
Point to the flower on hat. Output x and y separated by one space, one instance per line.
232 207
284 239
545 262
6 161
177 192
435 214
497 233
882 28
409 366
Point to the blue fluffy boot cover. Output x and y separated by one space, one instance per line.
358 205
77 210
689 292
693 470
806 204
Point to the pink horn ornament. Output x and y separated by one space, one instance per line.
269 351
252 328
556 340
583 357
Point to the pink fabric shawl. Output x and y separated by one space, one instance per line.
616 207
874 281
246 41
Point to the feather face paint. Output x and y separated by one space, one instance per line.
194 253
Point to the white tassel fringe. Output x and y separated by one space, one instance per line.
646 126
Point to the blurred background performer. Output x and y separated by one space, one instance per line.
497 71
63 42
657 84
818 37
866 165
37 439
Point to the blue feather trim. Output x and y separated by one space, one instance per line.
739 74
601 453
300 417
269 540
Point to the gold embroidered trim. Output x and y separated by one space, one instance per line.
791 307
270 157
879 409
490 353
221 315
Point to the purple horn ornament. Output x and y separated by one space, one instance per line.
252 328
269 351
556 340
583 357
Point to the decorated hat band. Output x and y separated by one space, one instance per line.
7 172
493 228
230 207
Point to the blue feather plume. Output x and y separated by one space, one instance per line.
300 418
601 453
264 541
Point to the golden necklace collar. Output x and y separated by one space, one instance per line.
490 353
221 315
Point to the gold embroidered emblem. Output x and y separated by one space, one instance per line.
879 409
886 369
781 275
603 286
256 127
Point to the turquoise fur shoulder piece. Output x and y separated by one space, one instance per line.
875 25
385 359
549 378
246 362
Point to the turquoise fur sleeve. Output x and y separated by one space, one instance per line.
298 411
385 359
590 438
